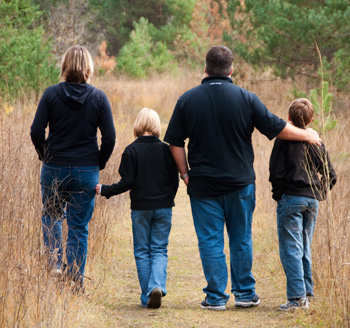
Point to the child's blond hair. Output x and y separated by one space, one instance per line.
147 121
301 112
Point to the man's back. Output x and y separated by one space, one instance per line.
219 118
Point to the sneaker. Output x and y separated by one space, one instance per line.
155 300
77 287
247 304
303 303
57 272
205 305
310 297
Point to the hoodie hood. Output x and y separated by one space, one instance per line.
74 94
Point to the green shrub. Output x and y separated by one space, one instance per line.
25 59
142 54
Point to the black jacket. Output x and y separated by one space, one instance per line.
219 118
73 112
148 169
295 167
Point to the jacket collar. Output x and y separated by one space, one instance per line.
147 139
217 77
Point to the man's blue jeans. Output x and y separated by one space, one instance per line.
296 220
151 229
68 193
209 217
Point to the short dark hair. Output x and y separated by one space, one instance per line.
219 61
301 112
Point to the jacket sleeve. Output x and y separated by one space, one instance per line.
277 169
127 171
176 131
108 133
37 130
174 174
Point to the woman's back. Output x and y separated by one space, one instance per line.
73 111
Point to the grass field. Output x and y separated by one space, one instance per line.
29 297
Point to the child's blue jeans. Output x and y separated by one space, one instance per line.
151 229
296 220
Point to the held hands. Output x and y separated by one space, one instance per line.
313 137
98 189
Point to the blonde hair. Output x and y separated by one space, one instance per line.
147 121
77 65
301 112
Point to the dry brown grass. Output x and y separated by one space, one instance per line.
30 298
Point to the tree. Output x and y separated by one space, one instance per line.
70 22
285 35
25 60
141 54
116 18
207 23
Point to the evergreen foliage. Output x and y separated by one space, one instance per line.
322 100
141 53
285 35
169 20
25 63
116 18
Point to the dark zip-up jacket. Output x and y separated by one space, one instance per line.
295 167
74 112
148 170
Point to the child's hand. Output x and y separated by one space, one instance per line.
98 189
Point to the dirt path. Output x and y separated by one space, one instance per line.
181 307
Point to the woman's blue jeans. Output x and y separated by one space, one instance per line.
209 217
151 229
296 220
68 193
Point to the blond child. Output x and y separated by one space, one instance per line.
147 169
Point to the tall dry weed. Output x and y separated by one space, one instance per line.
29 296
331 243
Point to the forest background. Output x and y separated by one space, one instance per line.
146 53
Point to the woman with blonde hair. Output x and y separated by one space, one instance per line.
72 158
148 170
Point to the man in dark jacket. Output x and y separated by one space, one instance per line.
219 118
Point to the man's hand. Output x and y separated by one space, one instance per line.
186 180
313 137
179 156
290 132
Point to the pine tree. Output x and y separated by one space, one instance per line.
25 63
285 35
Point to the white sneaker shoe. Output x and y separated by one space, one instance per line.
303 304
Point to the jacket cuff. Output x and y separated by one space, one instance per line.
105 191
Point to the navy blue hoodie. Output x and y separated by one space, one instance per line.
74 112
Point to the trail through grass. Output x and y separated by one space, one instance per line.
118 300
